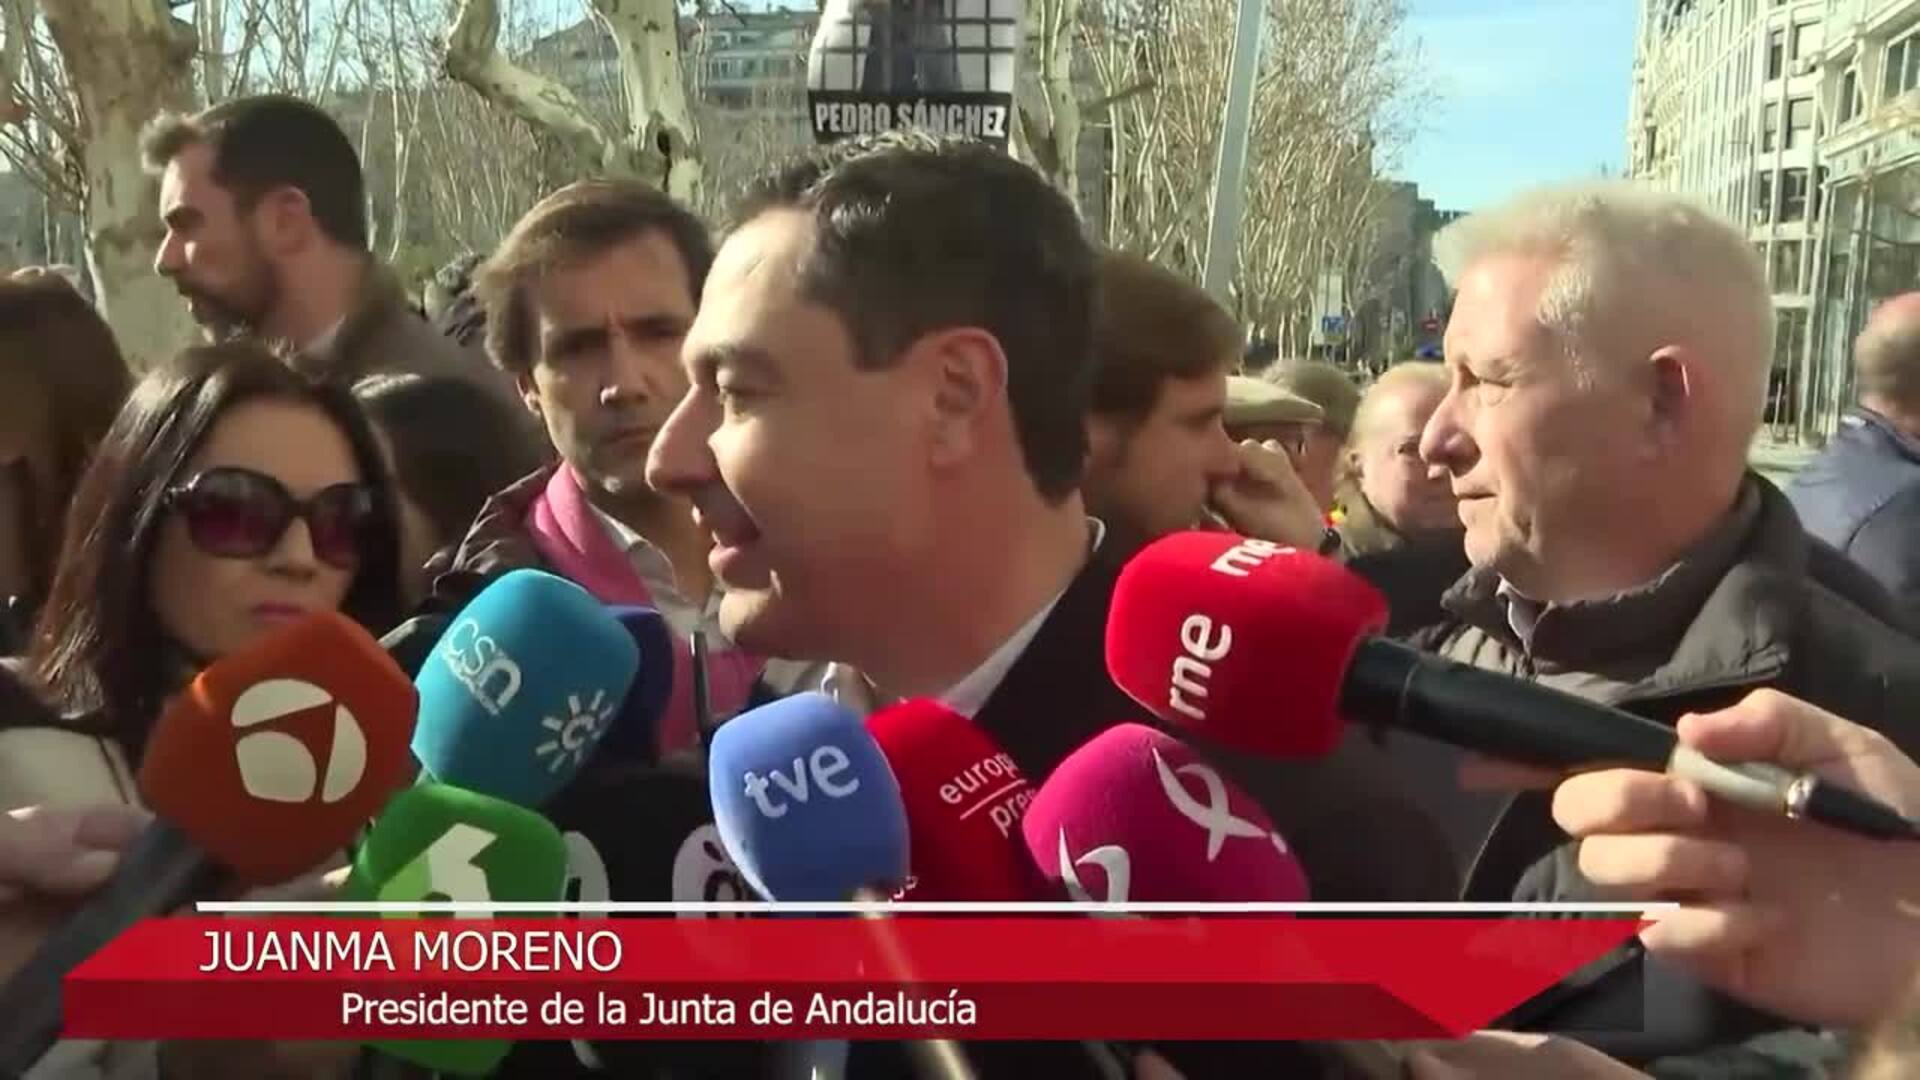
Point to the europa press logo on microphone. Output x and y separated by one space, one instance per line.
276 765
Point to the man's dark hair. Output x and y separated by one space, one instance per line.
576 223
1150 326
272 141
914 233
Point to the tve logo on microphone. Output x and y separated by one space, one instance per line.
825 766
275 764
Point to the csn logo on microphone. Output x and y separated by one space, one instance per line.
480 664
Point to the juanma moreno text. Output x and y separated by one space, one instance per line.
240 951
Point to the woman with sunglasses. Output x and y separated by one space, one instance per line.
230 497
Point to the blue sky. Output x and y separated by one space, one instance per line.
1526 91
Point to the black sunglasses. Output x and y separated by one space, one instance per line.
238 513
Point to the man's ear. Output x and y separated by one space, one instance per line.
529 392
1672 395
968 379
283 219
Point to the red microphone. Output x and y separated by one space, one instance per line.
1243 640
964 798
268 763
1137 815
1267 649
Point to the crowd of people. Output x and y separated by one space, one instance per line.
895 435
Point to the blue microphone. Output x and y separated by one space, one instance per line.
635 734
805 801
520 688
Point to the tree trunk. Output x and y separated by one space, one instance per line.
1046 102
126 60
661 142
660 145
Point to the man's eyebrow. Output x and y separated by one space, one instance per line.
582 336
750 360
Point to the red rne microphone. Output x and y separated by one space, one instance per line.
1136 815
964 798
265 765
1269 650
1244 641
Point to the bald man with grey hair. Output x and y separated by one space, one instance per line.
1607 362
1862 494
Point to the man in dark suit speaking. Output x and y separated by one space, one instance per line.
884 432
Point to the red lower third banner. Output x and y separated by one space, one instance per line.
806 978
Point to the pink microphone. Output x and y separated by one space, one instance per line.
1136 815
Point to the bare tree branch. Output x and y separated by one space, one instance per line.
473 57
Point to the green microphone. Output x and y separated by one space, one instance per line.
435 842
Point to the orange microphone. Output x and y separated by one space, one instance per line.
264 766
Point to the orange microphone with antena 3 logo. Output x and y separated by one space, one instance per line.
268 763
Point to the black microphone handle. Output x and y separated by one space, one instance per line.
160 871
1397 685
933 1059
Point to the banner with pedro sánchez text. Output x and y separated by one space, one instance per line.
945 66
1230 977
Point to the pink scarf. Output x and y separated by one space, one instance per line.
574 542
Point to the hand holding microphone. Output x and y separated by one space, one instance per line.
49 859
264 766
1268 649
1821 928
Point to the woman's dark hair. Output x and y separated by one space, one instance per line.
454 445
55 342
99 649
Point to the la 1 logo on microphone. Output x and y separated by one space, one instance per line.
773 794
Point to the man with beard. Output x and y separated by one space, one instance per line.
266 235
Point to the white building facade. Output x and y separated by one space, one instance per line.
1870 95
1726 107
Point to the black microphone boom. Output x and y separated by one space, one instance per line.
162 870
1398 686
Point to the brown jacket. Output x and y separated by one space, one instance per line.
1758 603
382 335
